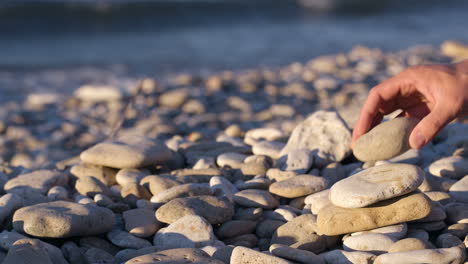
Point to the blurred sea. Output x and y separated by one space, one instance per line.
193 35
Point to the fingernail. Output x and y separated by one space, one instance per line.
418 140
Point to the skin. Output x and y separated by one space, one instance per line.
435 94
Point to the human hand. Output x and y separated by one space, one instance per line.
435 94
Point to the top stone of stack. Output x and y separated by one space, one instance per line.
386 140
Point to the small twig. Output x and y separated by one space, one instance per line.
119 122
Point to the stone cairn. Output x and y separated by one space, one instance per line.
256 195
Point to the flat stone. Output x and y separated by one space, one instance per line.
300 233
275 174
429 256
246 240
141 222
333 220
127 152
459 191
281 214
242 255
90 186
215 210
454 167
409 244
297 160
249 213
294 254
40 180
260 134
394 231
344 257
386 140
126 240
190 231
256 198
27 251
370 242
62 219
325 134
99 93
234 228
447 240
298 186
179 191
178 255
376 184
459 230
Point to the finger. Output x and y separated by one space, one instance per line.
417 111
429 126
378 103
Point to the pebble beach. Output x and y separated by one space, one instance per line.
242 166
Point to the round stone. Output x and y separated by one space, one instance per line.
299 185
256 198
386 140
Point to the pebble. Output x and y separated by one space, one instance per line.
187 232
9 203
231 159
271 149
344 257
318 200
376 184
297 160
179 191
394 231
235 228
454 167
40 180
141 222
157 184
267 227
242 255
57 193
409 244
442 197
370 242
333 172
325 133
256 198
458 230
104 174
102 200
223 187
177 255
98 93
276 174
97 242
459 190
90 186
128 176
457 213
256 183
124 239
429 256
127 152
333 220
265 133
247 240
447 240
300 233
27 251
386 140
96 255
61 219
279 214
215 210
249 213
132 192
297 186
72 253
294 254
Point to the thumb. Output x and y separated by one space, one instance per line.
429 126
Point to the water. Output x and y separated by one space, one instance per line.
214 36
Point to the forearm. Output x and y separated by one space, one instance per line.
461 69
